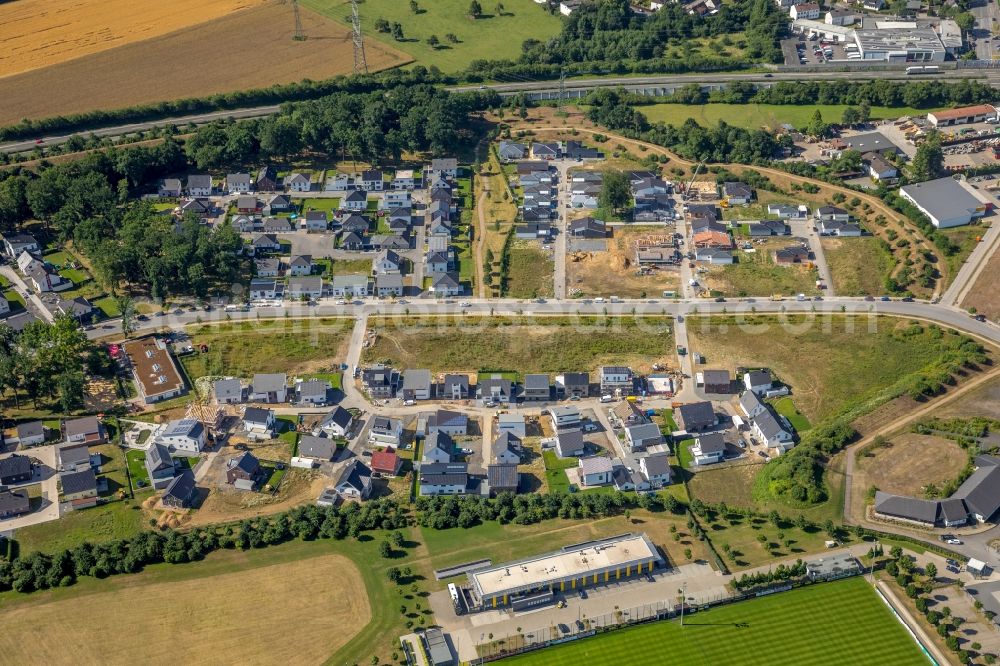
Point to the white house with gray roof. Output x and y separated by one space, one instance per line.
772 431
187 435
385 431
350 286
229 391
316 448
643 435
656 468
447 421
336 423
417 384
269 387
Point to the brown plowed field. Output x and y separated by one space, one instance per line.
232 50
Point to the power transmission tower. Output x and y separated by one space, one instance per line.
299 34
360 64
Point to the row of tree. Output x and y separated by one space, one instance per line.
39 571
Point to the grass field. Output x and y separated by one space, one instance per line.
555 471
321 600
827 364
186 48
902 466
759 115
756 274
530 274
292 346
115 520
858 266
539 345
786 407
847 624
490 37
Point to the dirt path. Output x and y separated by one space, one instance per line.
780 178
891 427
477 256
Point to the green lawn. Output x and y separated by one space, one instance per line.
329 204
846 624
350 267
14 298
137 467
756 274
786 408
490 37
115 520
555 471
108 306
758 115
335 379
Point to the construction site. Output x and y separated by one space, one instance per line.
638 262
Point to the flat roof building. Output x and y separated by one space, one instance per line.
153 367
946 201
900 45
580 565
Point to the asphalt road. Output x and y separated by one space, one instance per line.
573 87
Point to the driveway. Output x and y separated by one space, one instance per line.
48 478
804 229
31 300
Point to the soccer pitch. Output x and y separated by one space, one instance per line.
833 623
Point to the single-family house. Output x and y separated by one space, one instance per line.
183 435
570 443
372 180
248 205
445 166
181 492
265 289
495 389
386 431
455 387
15 244
832 214
436 262
380 381
536 387
737 193
838 228
545 151
793 254
350 286
336 423
696 416
751 405
355 224
316 220
709 449
767 228
404 179
444 479
772 431
170 188
388 285
387 462
595 471
438 447
352 242
229 391
502 478
627 413
31 433
355 200
416 385
449 422
617 380
808 11
312 392
87 429
340 182
238 183
244 471
656 468
298 182
159 466
758 381
317 448
265 243
72 457
300 264
573 384
511 151
18 469
713 255
305 288
258 423
199 185
267 179
588 227
512 423
276 225
267 267
788 211
269 387
717 381
564 417
641 436
386 262
13 502
879 168
79 488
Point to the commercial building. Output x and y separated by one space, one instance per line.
946 202
962 116
533 581
978 499
900 45
154 369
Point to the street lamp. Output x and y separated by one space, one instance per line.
683 592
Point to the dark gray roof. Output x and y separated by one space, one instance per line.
247 462
14 501
575 378
444 474
73 454
453 380
384 424
15 465
505 441
439 440
736 188
907 508
79 482
228 388
657 464
158 457
953 510
644 431
264 382
313 387
712 443
84 426
716 377
256 415
501 476
337 416
759 377
697 413
750 402
356 475
981 491
182 487
446 417
536 381
199 180
33 429
316 447
769 424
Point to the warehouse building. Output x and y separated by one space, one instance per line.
962 116
900 45
534 581
946 201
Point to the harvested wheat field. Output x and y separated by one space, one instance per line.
251 48
243 617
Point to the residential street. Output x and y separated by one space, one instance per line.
31 300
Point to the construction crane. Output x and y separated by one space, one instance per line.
694 174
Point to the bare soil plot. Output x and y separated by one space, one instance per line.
985 292
226 51
614 272
245 615
981 401
910 463
224 504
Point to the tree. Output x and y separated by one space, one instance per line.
816 126
381 25
433 41
499 9
127 307
966 21
475 9
414 7
850 116
397 32
385 549
931 570
616 192
929 158
393 574
452 37
864 111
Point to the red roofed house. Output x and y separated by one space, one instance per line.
386 462
717 239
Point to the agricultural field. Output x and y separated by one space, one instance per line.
548 345
530 273
902 466
829 362
753 116
186 49
859 266
614 271
296 346
857 628
490 37
321 599
756 274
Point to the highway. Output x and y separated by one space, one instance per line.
574 88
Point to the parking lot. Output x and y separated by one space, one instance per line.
804 50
